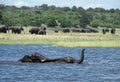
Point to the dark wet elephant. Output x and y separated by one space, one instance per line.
38 58
17 30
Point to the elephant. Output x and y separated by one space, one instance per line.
83 30
75 30
3 29
66 30
41 31
113 31
34 30
17 30
92 30
105 30
38 58
56 31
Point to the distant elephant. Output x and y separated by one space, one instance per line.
3 29
38 58
56 31
66 30
105 30
113 31
83 30
34 30
92 30
17 30
41 31
75 30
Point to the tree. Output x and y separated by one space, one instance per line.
74 8
84 19
2 6
62 16
1 16
44 7
65 23
99 10
112 10
52 7
51 22
66 9
95 23
6 21
80 10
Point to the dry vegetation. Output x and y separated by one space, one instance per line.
63 39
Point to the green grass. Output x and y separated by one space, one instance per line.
63 39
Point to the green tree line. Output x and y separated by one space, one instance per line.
53 16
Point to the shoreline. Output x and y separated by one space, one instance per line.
64 40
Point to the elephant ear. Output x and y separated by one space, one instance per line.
40 57
26 58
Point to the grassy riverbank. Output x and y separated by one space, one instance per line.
62 39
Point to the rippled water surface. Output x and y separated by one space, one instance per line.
100 65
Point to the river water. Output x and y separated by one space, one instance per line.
100 64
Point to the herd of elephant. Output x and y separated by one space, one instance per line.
112 31
18 30
42 30
81 30
90 30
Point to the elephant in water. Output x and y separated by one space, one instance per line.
38 58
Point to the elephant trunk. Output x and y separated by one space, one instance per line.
82 57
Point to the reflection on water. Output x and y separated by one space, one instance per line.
100 65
